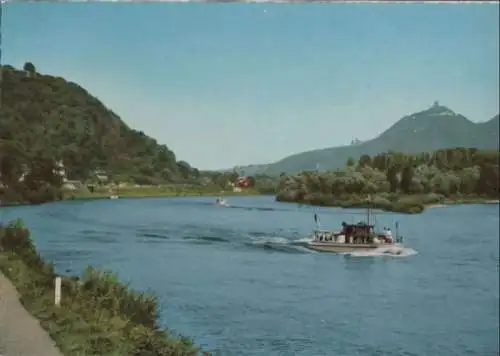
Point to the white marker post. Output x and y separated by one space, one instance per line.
57 295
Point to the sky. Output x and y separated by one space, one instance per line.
235 84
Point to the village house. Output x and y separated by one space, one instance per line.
101 176
243 182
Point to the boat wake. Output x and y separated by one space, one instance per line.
392 251
279 244
299 246
282 241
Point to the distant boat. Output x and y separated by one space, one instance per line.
113 197
220 201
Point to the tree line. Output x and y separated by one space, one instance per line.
390 176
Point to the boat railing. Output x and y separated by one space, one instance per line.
325 230
324 235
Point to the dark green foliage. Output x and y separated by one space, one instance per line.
364 160
392 177
15 238
98 315
265 184
25 178
29 68
63 121
406 179
488 179
407 184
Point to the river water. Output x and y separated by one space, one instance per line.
230 278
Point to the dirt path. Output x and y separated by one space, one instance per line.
20 333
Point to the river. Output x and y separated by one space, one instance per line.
229 278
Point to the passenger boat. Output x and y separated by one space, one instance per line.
353 237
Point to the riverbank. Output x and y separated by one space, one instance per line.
138 193
462 201
153 192
98 315
398 203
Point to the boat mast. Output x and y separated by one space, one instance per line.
368 212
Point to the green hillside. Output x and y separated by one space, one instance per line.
50 115
435 128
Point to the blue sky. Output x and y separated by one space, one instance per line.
227 84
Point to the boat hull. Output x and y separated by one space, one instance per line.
344 247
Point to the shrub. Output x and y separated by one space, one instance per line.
408 208
381 202
98 315
432 198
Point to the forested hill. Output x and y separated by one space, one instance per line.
44 113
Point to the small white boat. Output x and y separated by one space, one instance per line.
220 201
113 197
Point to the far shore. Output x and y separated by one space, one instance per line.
146 192
404 205
442 205
155 193
432 206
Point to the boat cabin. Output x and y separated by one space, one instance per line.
360 233
359 229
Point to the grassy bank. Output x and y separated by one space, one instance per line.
98 315
400 203
154 192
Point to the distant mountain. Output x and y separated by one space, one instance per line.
435 128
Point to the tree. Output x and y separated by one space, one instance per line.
32 113
184 169
43 170
392 178
488 180
6 132
29 68
380 162
350 162
12 158
364 161
233 176
406 179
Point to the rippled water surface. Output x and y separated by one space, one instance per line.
230 278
